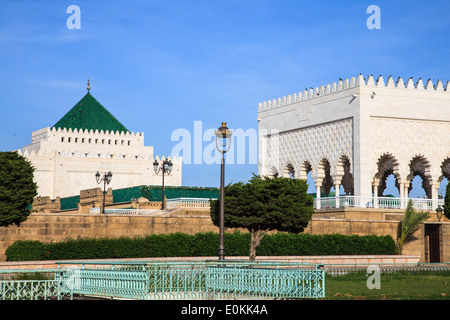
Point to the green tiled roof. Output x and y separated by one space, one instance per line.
89 114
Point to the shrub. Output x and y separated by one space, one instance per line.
201 245
26 250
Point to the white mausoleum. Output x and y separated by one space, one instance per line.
357 132
88 139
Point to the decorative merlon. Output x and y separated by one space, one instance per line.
95 155
96 132
357 81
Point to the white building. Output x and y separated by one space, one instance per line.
88 139
355 133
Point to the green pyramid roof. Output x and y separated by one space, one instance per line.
89 114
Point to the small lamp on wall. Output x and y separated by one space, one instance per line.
439 212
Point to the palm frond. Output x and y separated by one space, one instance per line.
411 222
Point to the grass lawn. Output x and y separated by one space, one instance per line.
393 286
405 285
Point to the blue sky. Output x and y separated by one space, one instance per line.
161 65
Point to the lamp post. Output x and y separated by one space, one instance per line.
439 211
106 179
166 167
223 143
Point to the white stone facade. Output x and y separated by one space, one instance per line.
356 132
66 161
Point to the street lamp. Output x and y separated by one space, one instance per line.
166 167
223 143
106 180
439 211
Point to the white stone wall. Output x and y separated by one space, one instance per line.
66 161
365 122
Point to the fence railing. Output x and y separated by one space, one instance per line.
196 280
341 269
178 203
376 202
124 211
190 280
34 290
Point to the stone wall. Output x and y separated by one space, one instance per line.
55 227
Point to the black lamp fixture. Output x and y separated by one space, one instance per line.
439 212
223 144
166 168
106 179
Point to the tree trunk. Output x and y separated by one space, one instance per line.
255 239
399 248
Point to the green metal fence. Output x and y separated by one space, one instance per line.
33 290
172 280
194 280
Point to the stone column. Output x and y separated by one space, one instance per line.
375 195
318 196
336 191
434 196
403 202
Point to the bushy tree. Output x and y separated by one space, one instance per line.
265 204
17 188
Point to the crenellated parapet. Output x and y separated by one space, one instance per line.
94 155
101 132
73 140
353 82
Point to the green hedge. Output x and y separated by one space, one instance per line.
200 244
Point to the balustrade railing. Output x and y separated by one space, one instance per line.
124 211
177 203
197 203
376 202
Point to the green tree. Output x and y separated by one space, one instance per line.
17 188
447 201
411 222
265 204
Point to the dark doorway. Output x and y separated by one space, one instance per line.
432 233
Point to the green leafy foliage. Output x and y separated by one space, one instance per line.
447 201
27 250
17 188
411 222
199 245
280 244
266 204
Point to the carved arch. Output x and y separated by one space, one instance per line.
344 174
420 166
324 176
445 169
387 164
305 168
289 171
